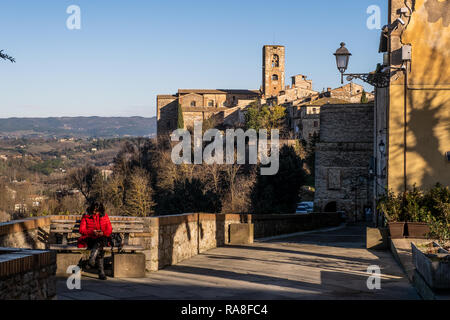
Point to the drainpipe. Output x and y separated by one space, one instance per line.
405 120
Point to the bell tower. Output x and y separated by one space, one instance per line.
273 70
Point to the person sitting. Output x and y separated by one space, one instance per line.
95 230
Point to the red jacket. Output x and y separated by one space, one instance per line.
89 223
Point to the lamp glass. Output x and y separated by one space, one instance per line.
342 62
382 147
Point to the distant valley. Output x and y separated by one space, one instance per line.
78 127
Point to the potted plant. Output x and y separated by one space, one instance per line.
417 214
391 206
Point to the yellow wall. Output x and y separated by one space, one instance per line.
428 97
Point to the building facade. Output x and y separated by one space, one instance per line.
201 104
413 113
342 159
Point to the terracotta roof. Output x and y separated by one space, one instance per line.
166 96
323 101
219 91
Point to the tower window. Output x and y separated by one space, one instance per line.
275 61
193 103
275 77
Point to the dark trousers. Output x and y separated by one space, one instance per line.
96 246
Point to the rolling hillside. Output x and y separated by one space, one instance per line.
100 127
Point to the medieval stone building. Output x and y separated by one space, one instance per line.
202 104
273 70
342 160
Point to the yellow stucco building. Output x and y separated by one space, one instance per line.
416 113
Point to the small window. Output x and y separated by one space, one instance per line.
316 124
314 110
210 103
193 103
275 77
275 61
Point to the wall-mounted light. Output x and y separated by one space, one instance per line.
382 148
376 79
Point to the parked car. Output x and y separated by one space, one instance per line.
304 207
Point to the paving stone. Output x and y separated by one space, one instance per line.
329 265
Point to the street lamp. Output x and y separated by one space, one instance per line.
376 79
342 57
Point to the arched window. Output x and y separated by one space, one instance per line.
275 77
275 61
192 103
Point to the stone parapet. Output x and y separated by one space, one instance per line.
27 274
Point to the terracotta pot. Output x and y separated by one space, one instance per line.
417 230
396 229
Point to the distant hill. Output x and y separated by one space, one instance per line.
80 127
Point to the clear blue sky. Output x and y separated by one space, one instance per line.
127 52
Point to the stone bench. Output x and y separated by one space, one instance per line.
127 261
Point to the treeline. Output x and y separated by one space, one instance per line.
146 182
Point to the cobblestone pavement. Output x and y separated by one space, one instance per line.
320 265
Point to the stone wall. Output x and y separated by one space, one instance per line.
30 233
346 123
27 274
178 237
268 225
343 156
168 240
167 113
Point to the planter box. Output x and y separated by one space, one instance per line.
432 267
417 230
396 229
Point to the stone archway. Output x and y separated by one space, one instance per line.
330 207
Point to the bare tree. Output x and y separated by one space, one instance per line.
138 197
84 179
231 172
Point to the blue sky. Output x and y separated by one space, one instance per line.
127 52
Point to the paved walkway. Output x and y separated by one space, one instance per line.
319 265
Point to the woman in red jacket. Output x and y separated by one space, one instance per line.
95 229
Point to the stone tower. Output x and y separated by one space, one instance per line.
273 70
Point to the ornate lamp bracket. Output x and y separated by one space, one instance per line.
378 80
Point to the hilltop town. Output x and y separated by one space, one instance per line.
228 106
